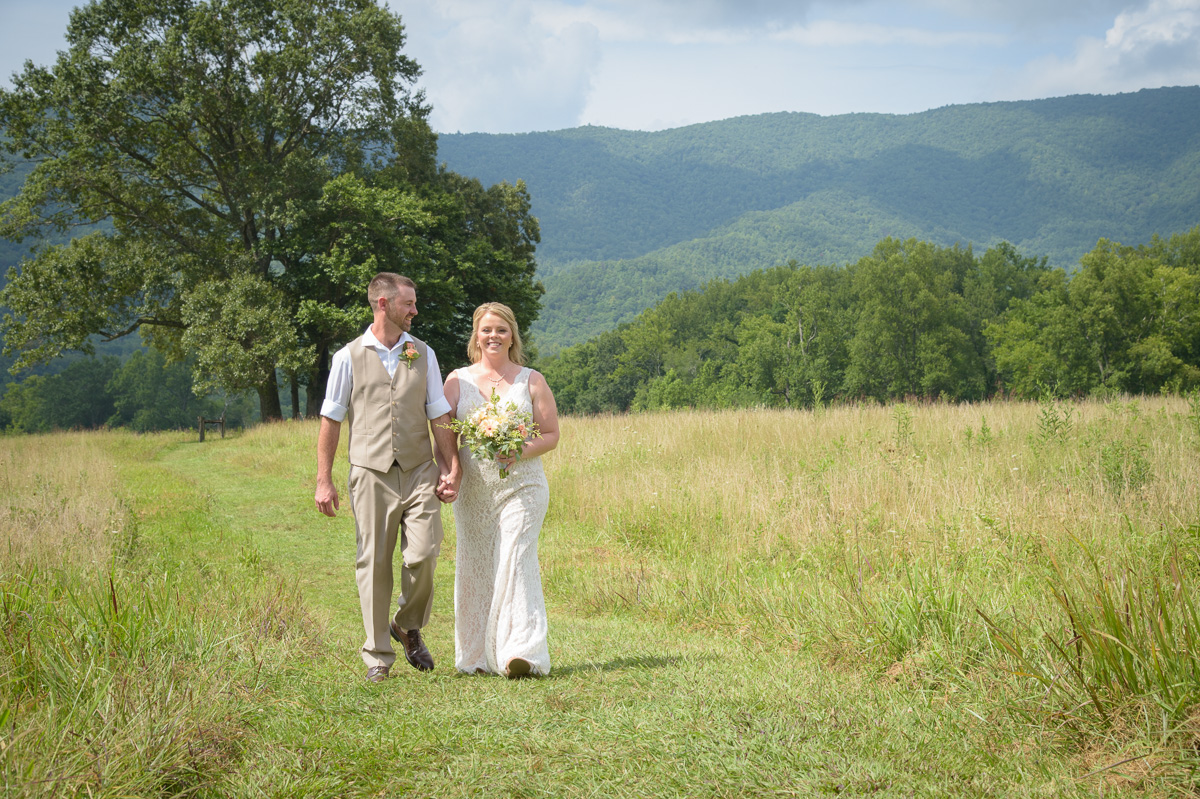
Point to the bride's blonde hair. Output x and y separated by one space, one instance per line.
516 353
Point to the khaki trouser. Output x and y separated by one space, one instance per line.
390 505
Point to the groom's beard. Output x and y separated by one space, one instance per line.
402 321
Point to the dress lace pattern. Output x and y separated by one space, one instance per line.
499 608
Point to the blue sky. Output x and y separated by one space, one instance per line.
507 66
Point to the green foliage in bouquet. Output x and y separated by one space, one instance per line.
496 430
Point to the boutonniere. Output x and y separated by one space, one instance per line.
410 353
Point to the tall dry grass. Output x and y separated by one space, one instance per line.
899 481
63 505
882 537
121 675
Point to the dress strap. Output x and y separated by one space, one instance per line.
464 376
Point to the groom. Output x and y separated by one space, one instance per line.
388 384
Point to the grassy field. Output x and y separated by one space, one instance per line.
914 600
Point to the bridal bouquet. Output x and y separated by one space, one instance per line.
495 430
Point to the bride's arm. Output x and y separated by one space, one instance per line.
451 390
545 416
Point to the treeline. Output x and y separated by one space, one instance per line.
911 320
142 392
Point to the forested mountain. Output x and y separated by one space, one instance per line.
627 217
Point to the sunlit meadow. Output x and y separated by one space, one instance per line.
993 599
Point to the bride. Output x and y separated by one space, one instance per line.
499 610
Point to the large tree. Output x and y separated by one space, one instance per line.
912 335
249 164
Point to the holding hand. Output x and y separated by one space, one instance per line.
447 487
507 460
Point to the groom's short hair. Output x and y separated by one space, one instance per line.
387 284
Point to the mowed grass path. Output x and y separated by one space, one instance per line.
633 707
741 604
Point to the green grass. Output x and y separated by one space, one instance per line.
861 601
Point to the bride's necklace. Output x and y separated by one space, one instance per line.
495 382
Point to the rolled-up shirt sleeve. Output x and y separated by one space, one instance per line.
337 390
436 403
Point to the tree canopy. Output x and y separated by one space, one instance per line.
255 162
911 320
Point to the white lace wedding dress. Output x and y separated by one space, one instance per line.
499 608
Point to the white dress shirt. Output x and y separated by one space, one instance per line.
341 378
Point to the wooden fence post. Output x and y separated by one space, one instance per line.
203 423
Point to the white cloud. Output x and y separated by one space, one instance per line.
501 67
675 21
833 33
1156 45
690 15
520 65
1027 14
1164 23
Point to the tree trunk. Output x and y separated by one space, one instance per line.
316 383
295 381
268 401
313 399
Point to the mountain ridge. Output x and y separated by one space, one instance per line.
647 213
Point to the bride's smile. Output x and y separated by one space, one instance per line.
494 335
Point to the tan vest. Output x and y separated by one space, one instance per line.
387 415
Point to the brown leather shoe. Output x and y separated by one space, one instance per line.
517 667
415 651
377 673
